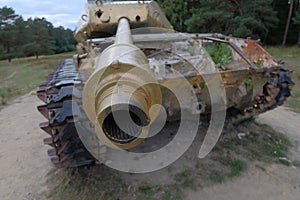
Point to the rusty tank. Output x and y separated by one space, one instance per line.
130 59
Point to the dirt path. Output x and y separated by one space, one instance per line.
285 121
23 160
278 182
25 165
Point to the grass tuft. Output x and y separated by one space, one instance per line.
185 179
216 177
236 166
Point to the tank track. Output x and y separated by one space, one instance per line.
275 92
58 93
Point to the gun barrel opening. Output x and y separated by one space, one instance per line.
122 131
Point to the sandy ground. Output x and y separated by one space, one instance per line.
278 182
23 159
24 164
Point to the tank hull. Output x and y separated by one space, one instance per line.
116 88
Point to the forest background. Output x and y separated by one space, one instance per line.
274 22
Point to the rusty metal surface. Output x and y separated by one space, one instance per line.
247 82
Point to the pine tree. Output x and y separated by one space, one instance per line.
296 21
7 22
241 18
211 16
177 11
32 37
21 37
41 42
288 22
64 40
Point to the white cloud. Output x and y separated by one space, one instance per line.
59 12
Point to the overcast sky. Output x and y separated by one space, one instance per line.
59 12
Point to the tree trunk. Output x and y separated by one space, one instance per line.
299 39
8 51
288 23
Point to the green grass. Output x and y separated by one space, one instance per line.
216 176
268 146
24 75
185 179
220 53
275 144
294 101
170 192
177 196
289 55
148 191
236 166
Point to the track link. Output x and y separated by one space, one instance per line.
275 92
60 110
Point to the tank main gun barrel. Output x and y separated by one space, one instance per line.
120 92
123 35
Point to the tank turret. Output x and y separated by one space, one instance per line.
101 19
